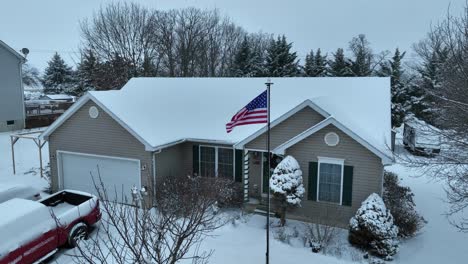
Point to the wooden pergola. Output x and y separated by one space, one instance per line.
28 135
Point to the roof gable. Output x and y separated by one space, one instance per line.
307 103
12 51
386 158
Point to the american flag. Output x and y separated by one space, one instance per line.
254 112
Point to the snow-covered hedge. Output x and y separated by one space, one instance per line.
372 228
287 181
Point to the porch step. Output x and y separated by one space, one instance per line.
263 212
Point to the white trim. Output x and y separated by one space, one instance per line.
334 161
331 134
281 149
306 103
60 168
331 160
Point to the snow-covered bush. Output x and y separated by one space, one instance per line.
372 228
399 200
286 185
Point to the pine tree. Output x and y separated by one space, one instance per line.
340 66
424 104
320 64
361 65
86 73
58 76
399 87
243 60
309 65
280 61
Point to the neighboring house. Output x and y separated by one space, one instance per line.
57 98
337 128
12 113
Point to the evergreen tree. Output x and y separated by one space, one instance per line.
424 104
280 61
58 76
243 60
309 65
315 65
340 66
399 87
86 73
360 47
320 64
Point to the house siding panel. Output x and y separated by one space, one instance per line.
367 177
11 91
287 129
100 136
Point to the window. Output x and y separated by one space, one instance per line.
225 166
10 122
330 179
216 161
207 161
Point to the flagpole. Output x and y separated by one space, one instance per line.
268 85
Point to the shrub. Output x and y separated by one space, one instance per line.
318 236
400 201
228 192
372 228
286 185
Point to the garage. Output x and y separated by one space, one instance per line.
79 171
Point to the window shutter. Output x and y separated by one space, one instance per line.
347 185
239 164
312 191
196 159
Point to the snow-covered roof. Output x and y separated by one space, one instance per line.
59 96
159 111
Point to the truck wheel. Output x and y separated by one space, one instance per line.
78 232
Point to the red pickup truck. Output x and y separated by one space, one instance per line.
31 231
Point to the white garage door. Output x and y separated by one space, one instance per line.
77 171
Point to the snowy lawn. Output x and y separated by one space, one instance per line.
244 240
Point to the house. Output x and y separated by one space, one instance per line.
12 113
57 98
337 128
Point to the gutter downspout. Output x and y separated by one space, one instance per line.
154 170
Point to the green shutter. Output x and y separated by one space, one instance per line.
312 191
196 159
347 185
239 164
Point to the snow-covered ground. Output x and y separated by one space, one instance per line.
244 242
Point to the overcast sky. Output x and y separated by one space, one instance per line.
46 26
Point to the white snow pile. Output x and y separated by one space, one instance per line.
287 181
372 227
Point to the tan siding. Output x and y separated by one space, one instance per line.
178 160
367 176
287 129
100 136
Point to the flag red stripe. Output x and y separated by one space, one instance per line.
256 121
260 118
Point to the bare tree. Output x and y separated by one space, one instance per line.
450 94
185 215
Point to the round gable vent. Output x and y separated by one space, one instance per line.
93 112
332 139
